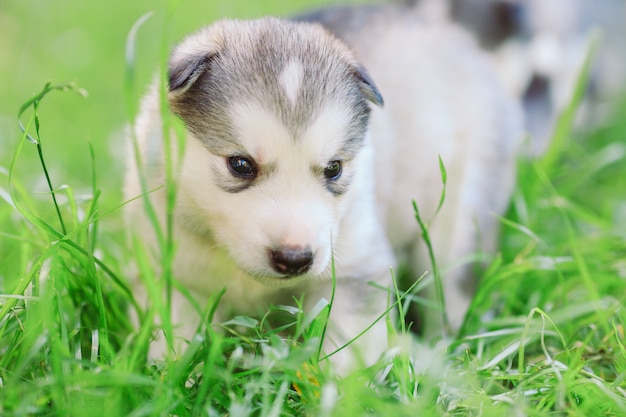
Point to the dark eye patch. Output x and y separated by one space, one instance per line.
334 176
333 170
242 167
243 172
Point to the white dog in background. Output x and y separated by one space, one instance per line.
539 47
307 142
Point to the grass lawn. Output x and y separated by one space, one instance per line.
544 335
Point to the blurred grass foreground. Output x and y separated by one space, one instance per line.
544 336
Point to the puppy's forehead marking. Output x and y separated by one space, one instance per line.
261 133
258 130
292 159
326 135
290 80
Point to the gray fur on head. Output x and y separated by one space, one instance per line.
240 61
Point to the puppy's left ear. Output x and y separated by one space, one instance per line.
184 71
367 86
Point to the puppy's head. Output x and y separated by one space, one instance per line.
277 113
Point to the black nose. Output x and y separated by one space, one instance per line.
291 261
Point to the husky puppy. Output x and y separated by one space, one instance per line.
294 168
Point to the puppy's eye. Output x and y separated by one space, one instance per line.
332 170
241 167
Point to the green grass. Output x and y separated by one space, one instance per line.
544 336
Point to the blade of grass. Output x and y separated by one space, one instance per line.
565 121
424 228
440 296
34 119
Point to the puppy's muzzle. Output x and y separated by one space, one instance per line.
291 261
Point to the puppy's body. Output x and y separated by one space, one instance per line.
290 161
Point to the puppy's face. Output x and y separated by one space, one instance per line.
278 114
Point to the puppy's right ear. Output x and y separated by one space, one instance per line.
367 86
184 71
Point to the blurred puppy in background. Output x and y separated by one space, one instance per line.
539 47
306 142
